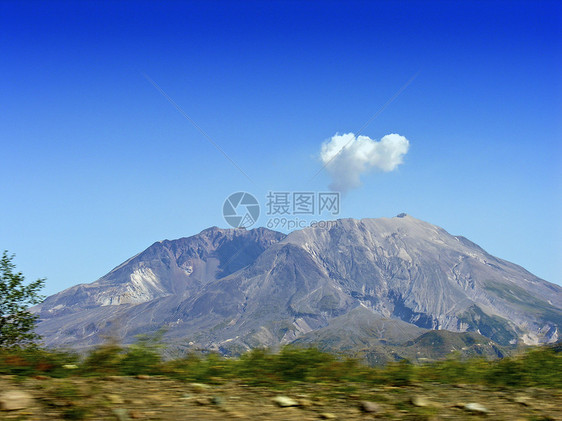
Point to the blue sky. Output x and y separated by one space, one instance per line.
96 164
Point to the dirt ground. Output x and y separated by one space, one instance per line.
159 398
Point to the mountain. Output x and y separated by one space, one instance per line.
139 294
354 285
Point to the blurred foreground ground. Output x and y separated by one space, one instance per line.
159 398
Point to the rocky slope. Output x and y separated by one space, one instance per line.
135 296
377 341
389 279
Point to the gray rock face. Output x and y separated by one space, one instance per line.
231 290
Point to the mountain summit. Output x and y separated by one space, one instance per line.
386 279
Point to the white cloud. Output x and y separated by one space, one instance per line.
347 157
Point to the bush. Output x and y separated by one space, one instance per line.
35 361
540 367
297 364
211 368
104 360
142 357
257 367
399 374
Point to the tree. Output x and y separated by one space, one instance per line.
17 324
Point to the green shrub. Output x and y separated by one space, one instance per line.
540 367
543 367
298 364
507 372
104 360
400 373
210 368
142 357
34 361
257 367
